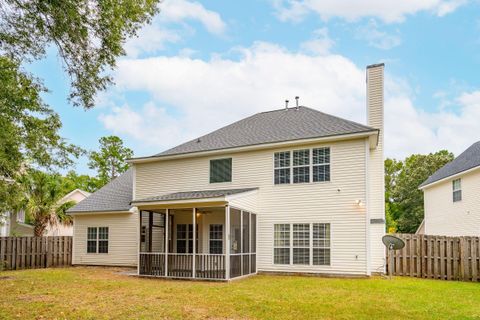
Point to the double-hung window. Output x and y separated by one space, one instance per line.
302 244
321 244
97 240
281 244
282 167
321 164
301 166
216 238
457 190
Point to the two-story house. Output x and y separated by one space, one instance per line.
452 197
292 190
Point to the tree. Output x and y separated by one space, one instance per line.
42 195
110 161
402 179
72 181
88 34
29 130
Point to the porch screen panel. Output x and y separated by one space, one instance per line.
246 232
235 243
158 232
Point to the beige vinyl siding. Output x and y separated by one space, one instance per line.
376 183
324 202
247 201
447 218
122 239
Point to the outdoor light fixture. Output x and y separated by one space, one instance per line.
358 202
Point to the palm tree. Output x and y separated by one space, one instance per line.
41 201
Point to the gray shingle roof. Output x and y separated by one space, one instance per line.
114 196
269 127
194 195
469 159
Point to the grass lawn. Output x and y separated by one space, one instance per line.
103 293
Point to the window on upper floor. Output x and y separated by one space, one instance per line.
302 166
282 167
221 170
457 190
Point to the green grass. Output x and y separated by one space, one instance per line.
102 293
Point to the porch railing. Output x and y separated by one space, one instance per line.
180 265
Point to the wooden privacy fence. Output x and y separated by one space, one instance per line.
35 252
438 257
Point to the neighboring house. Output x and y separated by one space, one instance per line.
293 190
13 223
452 197
59 229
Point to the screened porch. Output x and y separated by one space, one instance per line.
211 243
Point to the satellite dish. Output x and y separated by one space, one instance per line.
392 243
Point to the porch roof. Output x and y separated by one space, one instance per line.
193 195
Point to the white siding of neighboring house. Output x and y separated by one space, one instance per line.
448 218
376 182
59 229
324 202
123 239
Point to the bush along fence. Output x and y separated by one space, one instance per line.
438 257
35 252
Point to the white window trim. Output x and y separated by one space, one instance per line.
97 240
311 165
311 247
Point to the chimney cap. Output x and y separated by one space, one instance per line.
376 65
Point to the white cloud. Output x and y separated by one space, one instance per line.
190 97
387 10
154 37
180 10
376 38
320 44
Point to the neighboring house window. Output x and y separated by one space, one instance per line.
281 244
457 190
282 167
185 238
307 165
301 166
309 244
216 238
321 164
97 240
221 170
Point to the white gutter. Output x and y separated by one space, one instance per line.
255 147
449 178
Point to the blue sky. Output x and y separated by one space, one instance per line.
202 65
